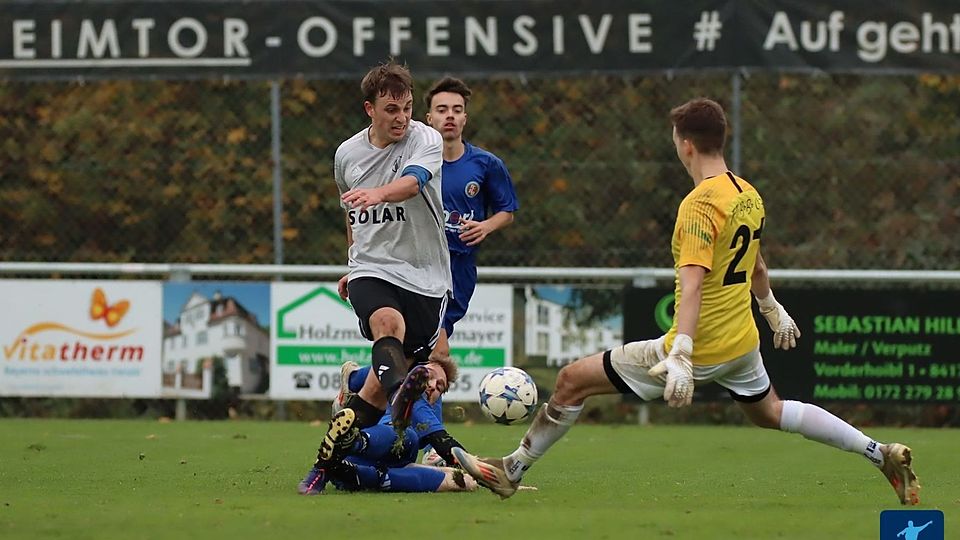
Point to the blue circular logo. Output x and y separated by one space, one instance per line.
472 188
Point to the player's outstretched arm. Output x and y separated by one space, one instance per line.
443 443
399 190
475 232
677 368
785 331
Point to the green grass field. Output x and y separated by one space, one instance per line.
85 479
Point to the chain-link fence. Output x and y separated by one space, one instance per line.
856 171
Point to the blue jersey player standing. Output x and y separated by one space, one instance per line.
478 196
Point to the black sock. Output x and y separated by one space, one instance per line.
366 414
389 363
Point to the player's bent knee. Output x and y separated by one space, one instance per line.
766 422
763 414
570 387
387 322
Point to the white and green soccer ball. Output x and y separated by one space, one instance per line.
508 395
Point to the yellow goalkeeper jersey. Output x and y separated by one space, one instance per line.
718 227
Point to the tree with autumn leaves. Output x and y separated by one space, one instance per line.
856 171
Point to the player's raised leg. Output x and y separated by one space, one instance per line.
424 327
379 306
622 370
894 460
390 365
575 382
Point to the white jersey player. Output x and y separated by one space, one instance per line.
399 283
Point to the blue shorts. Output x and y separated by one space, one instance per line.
463 266
384 453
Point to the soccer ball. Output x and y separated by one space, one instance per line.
508 395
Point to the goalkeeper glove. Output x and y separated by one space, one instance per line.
678 391
785 331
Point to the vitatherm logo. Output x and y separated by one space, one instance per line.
52 341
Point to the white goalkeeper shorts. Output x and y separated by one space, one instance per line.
627 366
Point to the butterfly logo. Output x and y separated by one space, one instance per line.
100 309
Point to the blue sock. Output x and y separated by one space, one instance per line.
412 480
368 476
355 380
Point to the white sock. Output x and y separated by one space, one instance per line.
549 425
819 425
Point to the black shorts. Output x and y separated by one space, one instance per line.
422 315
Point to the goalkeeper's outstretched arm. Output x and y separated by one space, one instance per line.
785 331
760 286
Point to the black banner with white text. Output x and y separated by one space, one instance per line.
894 346
267 39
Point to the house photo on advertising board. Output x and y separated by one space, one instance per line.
215 322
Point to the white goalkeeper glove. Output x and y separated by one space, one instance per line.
785 331
678 391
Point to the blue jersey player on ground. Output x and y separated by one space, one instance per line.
478 196
378 461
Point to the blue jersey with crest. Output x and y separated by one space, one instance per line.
473 185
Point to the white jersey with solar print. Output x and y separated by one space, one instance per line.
402 243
